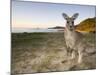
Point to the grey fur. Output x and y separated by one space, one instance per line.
75 40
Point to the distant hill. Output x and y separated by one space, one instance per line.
88 25
57 27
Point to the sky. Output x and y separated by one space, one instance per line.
29 14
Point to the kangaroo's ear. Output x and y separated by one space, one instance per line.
65 16
75 16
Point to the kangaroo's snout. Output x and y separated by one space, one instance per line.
70 26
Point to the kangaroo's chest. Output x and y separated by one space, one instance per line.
70 39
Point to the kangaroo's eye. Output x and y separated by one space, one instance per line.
72 22
67 21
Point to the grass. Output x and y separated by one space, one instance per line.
41 52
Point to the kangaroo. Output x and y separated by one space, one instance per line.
74 39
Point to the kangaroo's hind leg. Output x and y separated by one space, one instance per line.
80 56
73 54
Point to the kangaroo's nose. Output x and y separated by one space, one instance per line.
70 26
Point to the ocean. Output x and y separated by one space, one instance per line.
31 30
